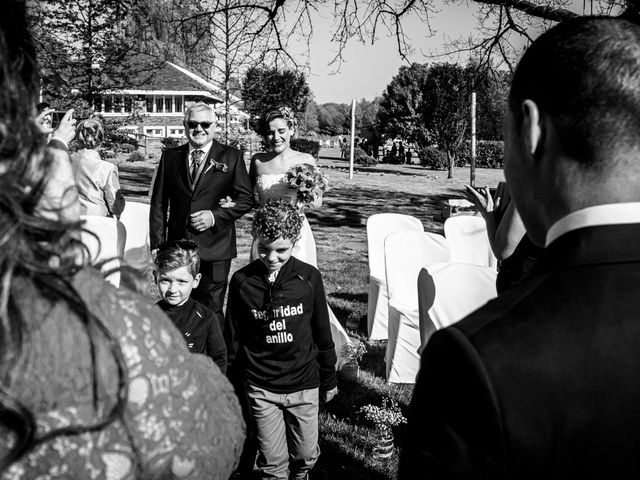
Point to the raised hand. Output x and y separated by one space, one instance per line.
66 131
481 198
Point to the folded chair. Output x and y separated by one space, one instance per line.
105 239
380 225
448 292
468 240
135 219
406 252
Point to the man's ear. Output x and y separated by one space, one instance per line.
532 132
196 280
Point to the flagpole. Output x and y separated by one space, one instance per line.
353 135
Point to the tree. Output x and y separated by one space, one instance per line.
332 118
308 120
82 46
401 106
445 107
265 88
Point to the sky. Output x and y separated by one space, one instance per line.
368 69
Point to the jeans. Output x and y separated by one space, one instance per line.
287 432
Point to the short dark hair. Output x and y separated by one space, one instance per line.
277 219
585 74
174 254
42 106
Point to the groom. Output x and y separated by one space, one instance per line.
542 382
188 201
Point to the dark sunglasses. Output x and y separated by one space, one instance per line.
184 244
193 125
276 292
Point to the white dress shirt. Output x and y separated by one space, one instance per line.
609 214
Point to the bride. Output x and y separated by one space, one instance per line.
268 172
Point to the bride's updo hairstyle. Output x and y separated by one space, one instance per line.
277 219
281 112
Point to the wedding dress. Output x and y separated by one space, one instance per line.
274 185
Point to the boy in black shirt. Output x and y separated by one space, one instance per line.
177 264
279 340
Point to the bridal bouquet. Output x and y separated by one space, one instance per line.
309 182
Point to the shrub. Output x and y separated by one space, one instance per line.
106 153
136 157
360 157
170 142
127 148
305 145
433 158
489 153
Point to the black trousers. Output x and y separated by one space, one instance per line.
213 286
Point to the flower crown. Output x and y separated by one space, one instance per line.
288 115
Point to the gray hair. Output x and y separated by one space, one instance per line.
199 106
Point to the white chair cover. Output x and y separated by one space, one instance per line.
448 292
468 240
105 239
137 253
406 252
379 226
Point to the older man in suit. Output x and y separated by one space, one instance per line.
543 382
189 200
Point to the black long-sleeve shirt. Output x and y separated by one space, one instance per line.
278 335
200 328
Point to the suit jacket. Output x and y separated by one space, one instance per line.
544 381
173 200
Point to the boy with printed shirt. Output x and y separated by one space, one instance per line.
177 263
279 340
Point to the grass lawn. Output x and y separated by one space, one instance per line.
339 227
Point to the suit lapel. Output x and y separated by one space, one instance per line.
207 165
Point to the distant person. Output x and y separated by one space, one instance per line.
189 200
63 133
97 180
409 157
279 339
542 382
177 263
394 151
401 156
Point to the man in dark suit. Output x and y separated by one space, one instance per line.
188 200
543 382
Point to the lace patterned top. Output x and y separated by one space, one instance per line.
182 418
274 185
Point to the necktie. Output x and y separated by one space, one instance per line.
196 156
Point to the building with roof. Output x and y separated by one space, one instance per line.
159 103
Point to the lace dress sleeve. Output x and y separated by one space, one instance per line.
182 418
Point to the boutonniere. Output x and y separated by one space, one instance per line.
217 166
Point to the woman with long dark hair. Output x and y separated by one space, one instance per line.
95 382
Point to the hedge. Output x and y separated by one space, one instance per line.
489 154
307 146
433 158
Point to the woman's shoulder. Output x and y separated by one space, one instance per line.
301 157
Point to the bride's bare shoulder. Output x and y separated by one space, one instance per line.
301 157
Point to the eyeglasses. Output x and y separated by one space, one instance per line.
193 125
184 244
276 292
